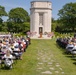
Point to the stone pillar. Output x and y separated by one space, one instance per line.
36 22
32 18
45 22
49 20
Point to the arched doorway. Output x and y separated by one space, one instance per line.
40 30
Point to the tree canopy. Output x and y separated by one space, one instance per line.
2 11
68 15
17 20
18 15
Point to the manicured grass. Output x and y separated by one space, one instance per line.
28 65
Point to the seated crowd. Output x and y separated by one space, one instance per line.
68 43
12 48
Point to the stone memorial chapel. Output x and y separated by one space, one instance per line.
40 16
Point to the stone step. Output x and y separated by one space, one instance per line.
38 37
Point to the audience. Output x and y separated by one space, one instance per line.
13 47
68 43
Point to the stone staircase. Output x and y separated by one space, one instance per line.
38 37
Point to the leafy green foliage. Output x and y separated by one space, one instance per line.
18 15
68 15
54 24
18 20
1 21
18 27
2 11
27 26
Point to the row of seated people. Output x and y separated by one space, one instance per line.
12 48
69 44
62 42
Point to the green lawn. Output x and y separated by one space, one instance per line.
36 52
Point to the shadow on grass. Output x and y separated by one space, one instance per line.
68 55
59 46
74 63
62 49
2 67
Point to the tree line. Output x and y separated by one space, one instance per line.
67 19
18 20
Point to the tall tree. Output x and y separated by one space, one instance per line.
54 24
68 15
18 15
17 18
2 13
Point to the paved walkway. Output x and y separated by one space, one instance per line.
47 64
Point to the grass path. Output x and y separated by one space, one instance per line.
43 57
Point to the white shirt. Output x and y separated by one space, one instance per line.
69 45
10 56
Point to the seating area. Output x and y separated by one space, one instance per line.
68 44
11 50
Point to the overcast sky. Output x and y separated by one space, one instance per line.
56 5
